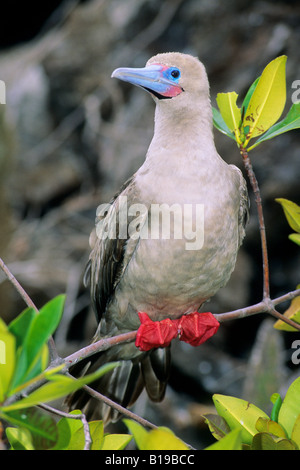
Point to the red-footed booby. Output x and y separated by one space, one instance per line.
134 268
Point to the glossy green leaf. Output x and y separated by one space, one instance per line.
157 439
289 123
58 387
77 441
266 441
296 431
7 362
248 97
139 433
96 431
269 426
163 439
46 374
230 112
290 408
277 402
43 325
268 99
293 313
115 441
39 363
65 428
32 354
292 213
295 237
19 439
220 124
239 414
232 441
42 426
217 425
21 324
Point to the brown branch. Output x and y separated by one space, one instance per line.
262 229
119 408
265 306
29 303
98 346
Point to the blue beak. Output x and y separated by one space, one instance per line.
152 78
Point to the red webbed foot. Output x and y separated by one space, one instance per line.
194 328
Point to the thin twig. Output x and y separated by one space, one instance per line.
17 286
29 303
286 297
81 416
98 346
265 306
119 408
262 229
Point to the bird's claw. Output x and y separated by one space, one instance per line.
194 328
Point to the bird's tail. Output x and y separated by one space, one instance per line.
123 384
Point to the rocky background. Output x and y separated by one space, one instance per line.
70 136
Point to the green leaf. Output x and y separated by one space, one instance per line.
3 326
65 428
219 123
248 97
97 432
239 414
293 313
163 439
230 112
277 402
268 99
292 213
217 425
42 325
269 426
42 426
21 324
266 441
296 431
157 439
46 374
232 441
77 441
115 441
295 237
139 433
58 387
290 408
19 439
7 362
289 123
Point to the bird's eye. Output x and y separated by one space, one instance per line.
175 73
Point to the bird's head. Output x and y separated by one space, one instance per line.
169 77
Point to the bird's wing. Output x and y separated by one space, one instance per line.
244 204
113 247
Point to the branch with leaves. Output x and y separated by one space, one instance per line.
257 119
